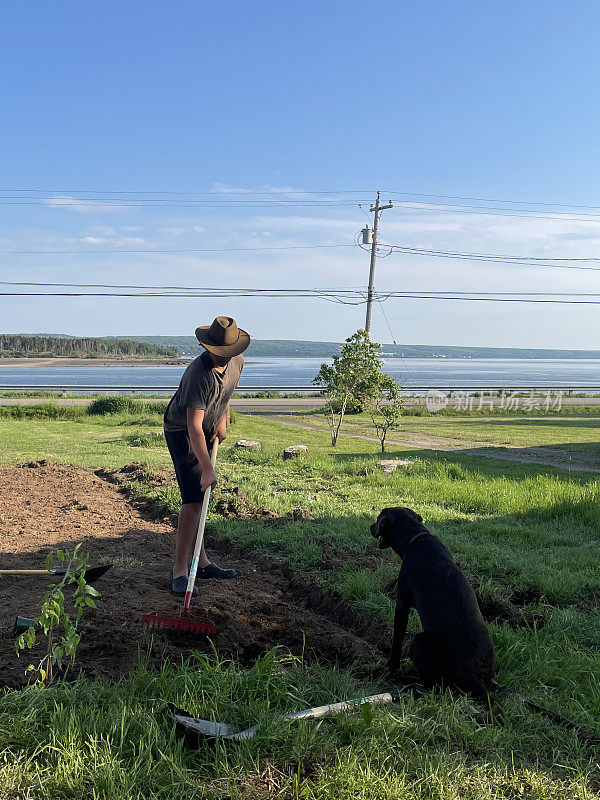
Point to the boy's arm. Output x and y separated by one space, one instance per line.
221 429
195 418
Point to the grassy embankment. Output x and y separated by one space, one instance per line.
514 526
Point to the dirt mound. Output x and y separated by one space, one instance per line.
137 471
228 500
45 506
510 611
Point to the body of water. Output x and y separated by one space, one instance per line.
441 372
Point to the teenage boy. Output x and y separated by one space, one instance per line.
195 417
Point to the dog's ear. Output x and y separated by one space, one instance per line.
414 514
383 521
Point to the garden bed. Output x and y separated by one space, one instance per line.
46 506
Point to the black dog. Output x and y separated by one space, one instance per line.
455 648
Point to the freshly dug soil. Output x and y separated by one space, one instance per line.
46 506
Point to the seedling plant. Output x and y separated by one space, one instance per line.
60 615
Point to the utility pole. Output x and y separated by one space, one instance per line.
377 208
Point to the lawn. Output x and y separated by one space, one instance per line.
511 526
565 431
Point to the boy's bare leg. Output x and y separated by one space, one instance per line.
187 528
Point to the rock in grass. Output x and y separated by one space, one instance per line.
294 451
248 444
389 465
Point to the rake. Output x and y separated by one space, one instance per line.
223 730
92 574
185 621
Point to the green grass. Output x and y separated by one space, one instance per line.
507 521
86 441
511 525
91 740
576 432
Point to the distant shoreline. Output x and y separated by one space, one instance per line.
93 362
181 362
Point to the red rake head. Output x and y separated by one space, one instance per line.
181 622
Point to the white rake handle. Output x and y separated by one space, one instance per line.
200 534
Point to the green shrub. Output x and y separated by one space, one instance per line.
117 404
145 419
233 417
121 404
153 439
42 411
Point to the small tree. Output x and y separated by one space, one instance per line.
353 377
386 409
55 622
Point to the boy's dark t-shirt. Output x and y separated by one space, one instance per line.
203 387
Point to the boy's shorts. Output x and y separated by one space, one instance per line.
187 466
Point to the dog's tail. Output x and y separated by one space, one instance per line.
583 733
496 709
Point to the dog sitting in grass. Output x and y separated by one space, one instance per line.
455 648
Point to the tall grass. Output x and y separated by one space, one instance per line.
88 739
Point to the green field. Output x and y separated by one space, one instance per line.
566 431
512 526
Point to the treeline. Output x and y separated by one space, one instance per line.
21 346
188 346
291 348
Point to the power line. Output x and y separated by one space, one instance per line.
351 290
181 250
488 211
480 256
533 261
257 290
270 192
222 195
496 299
491 200
274 192
74 202
386 320
192 202
526 261
339 296
189 295
107 203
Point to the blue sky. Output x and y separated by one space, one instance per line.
491 100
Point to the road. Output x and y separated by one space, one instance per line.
246 405
250 405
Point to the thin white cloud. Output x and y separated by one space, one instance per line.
123 241
266 189
81 206
173 231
